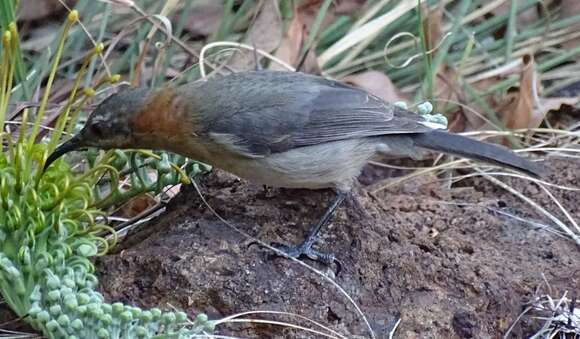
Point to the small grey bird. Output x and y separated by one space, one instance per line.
280 129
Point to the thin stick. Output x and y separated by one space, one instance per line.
535 205
238 45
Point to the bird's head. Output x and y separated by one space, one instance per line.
109 126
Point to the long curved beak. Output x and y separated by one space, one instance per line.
72 144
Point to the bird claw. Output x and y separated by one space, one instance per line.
306 250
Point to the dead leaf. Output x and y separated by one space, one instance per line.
525 18
432 23
521 107
517 110
445 80
554 104
376 83
205 17
448 92
308 9
469 117
348 7
291 47
445 85
457 121
35 10
446 88
136 205
304 15
40 37
481 82
571 8
265 34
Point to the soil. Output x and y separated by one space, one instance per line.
445 261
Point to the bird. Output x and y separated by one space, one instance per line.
279 129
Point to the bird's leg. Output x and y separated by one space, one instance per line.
305 247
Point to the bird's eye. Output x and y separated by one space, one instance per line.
98 129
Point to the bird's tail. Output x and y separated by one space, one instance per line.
466 147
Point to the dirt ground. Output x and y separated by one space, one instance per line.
439 259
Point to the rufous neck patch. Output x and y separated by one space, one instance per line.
164 114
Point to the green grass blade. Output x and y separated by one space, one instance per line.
511 30
315 27
178 31
226 23
8 16
102 29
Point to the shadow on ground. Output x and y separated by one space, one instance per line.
446 270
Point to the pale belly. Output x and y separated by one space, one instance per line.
330 165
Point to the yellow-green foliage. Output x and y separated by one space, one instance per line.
48 224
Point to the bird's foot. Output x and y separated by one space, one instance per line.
305 250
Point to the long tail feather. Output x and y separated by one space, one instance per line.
476 150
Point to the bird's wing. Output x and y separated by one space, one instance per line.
271 112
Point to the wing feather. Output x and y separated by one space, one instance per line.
277 111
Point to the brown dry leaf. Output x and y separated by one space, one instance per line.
40 37
136 206
348 7
517 109
205 17
308 9
376 83
432 25
265 34
571 8
448 92
458 122
35 9
554 104
291 46
298 30
446 88
470 119
445 80
525 18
